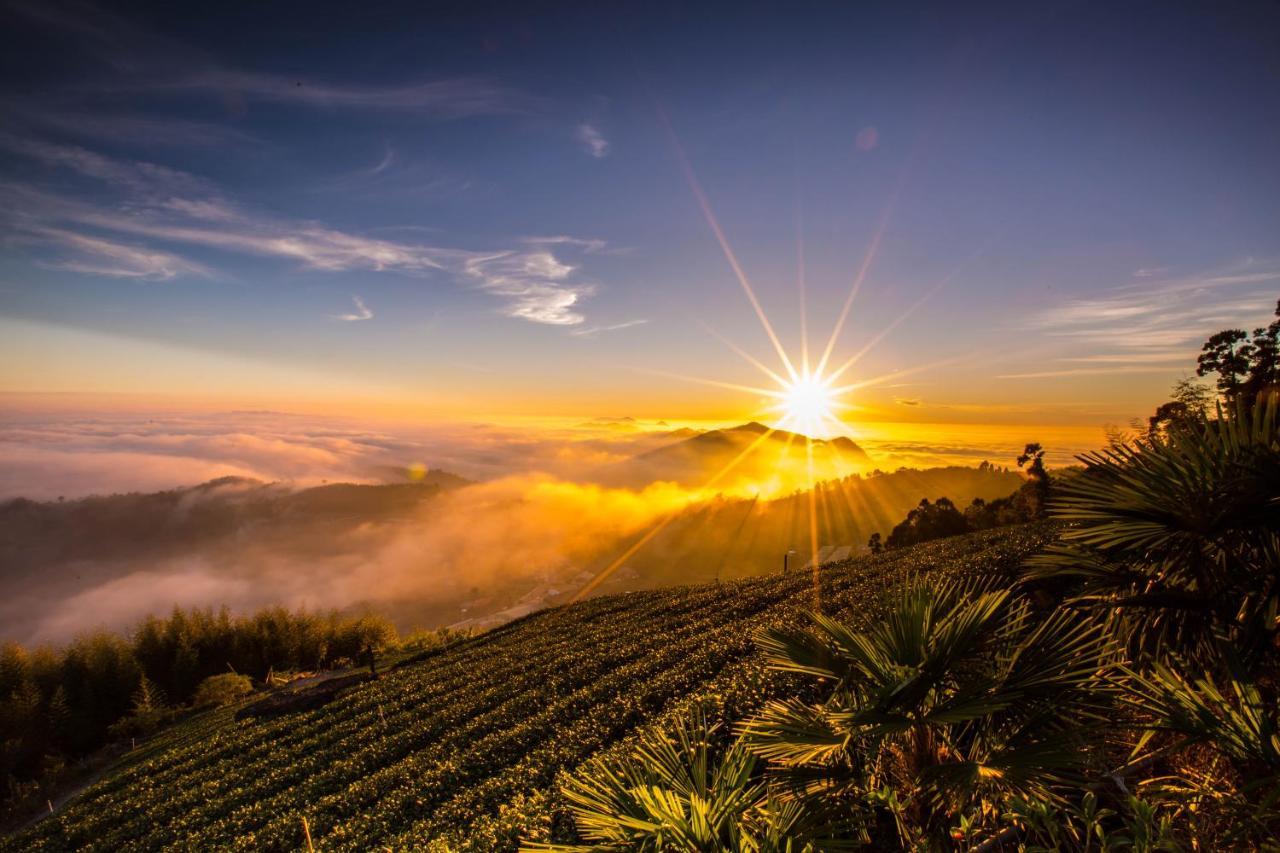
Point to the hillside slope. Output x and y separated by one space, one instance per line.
466 744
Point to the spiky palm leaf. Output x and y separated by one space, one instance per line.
1230 716
1239 722
674 792
959 692
1179 532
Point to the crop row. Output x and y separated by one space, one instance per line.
475 735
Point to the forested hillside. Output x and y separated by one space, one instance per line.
465 745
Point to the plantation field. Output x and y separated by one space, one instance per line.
465 745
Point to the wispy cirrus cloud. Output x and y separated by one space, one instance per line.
1153 357
138 61
1170 304
1082 371
139 176
587 245
133 129
157 210
613 327
99 256
168 206
536 285
592 140
361 313
1158 321
450 98
311 244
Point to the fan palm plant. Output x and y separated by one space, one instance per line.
676 791
1178 535
1233 777
961 696
1177 539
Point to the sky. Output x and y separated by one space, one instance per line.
445 211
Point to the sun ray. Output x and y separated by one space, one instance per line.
872 249
867 261
714 223
737 535
765 392
894 374
946 280
748 357
801 286
885 332
813 530
617 563
846 494
805 400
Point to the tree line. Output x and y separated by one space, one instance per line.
1246 368
57 705
941 518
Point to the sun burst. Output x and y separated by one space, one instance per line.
809 402
806 401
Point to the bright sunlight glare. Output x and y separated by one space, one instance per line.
808 402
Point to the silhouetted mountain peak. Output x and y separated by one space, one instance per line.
752 426
230 480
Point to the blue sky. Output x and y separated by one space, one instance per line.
484 208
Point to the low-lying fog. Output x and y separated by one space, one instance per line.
538 513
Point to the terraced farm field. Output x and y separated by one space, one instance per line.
463 747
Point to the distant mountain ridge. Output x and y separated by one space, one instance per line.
695 456
439 549
734 437
97 526
53 550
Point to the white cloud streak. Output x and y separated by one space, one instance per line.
596 330
138 176
97 256
440 99
361 313
592 141
1161 315
139 61
587 245
171 206
535 284
1082 371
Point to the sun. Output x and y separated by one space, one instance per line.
808 402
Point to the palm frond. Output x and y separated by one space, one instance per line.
1178 534
1239 722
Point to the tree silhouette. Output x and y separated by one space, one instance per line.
1247 368
927 522
1227 354
1033 454
1037 487
1189 401
1264 366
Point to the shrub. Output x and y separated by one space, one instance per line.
218 690
363 639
